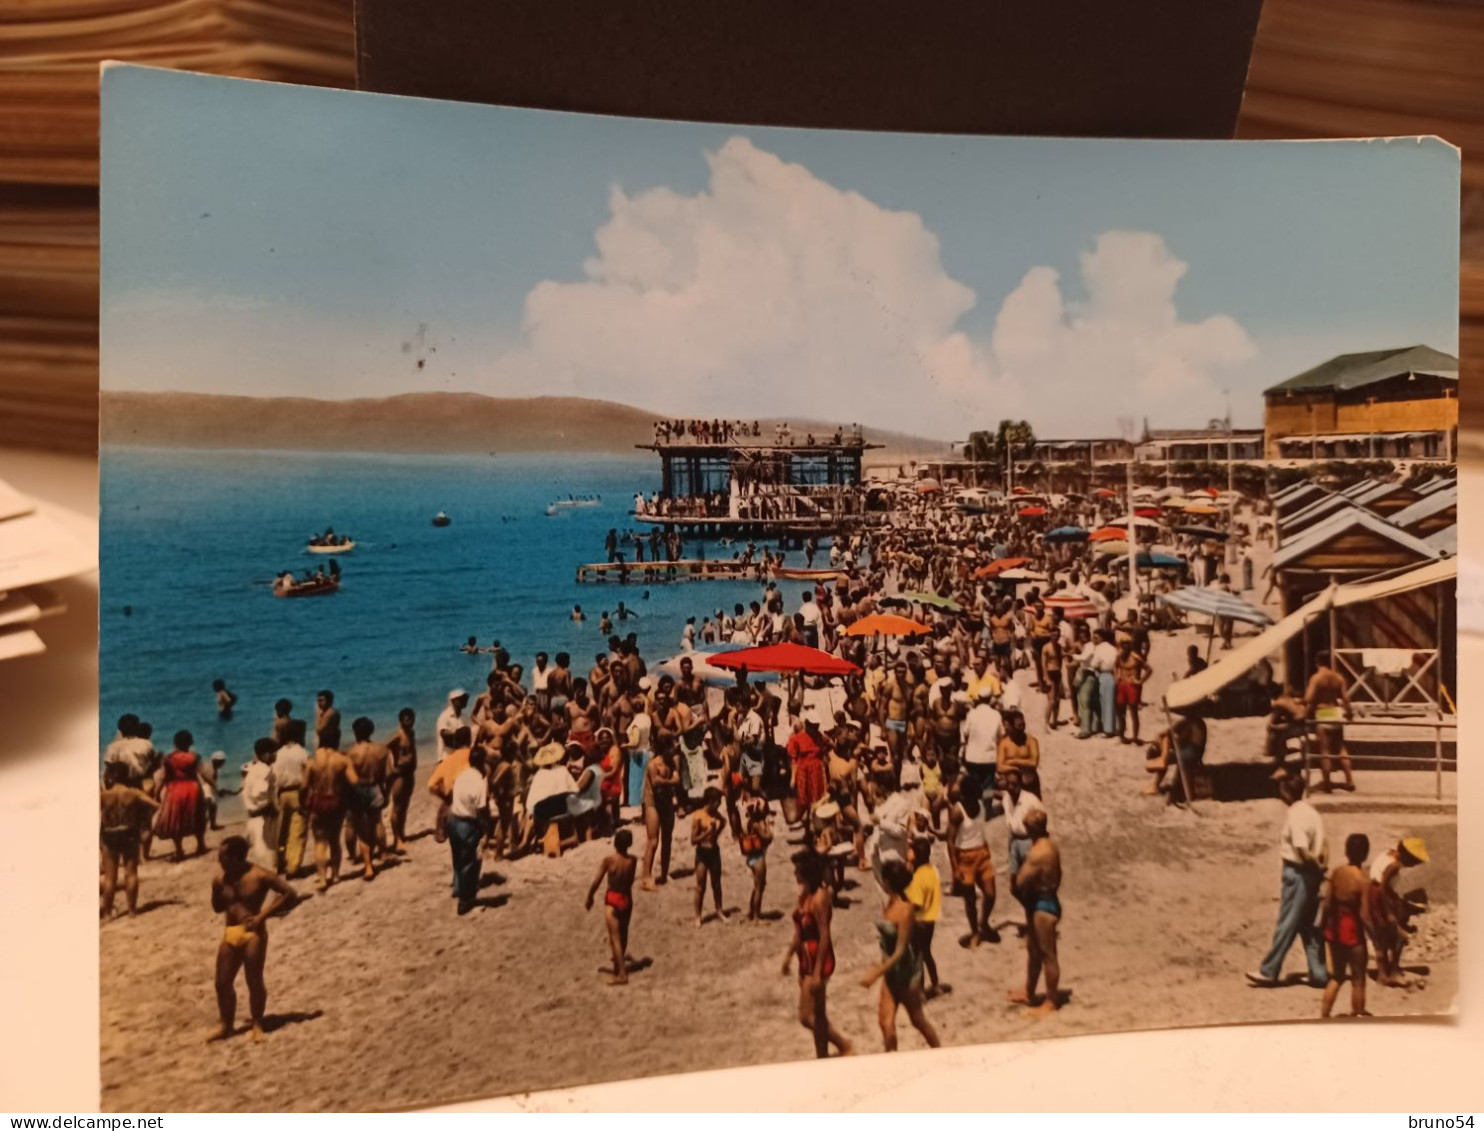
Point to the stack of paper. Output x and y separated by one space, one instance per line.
49 56
34 550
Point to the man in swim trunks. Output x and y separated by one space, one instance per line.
1130 671
1347 917
892 700
1327 702
325 714
123 814
238 892
1036 886
365 799
283 716
1182 745
705 836
618 904
327 777
1285 721
403 749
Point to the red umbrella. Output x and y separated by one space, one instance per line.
1147 512
1020 490
784 658
1208 491
1031 512
999 565
1104 493
1072 606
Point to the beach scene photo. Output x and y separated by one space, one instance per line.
587 598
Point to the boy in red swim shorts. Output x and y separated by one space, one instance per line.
618 903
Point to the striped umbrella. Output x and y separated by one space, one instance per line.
1072 605
1216 603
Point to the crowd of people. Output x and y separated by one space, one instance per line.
716 431
908 758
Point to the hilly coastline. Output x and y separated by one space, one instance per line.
413 422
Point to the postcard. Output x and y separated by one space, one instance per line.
587 598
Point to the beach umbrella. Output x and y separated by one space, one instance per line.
1108 534
1203 532
1202 508
925 486
1031 512
1021 575
786 659
1146 560
1146 512
1066 534
1211 491
1073 606
1140 521
1216 603
887 624
1168 492
946 603
1020 490
1105 493
708 672
1180 501
998 566
1113 549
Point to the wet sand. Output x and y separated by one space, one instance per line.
381 997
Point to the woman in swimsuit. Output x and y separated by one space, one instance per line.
900 971
816 952
1347 917
618 904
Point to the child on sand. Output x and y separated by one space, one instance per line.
618 904
757 834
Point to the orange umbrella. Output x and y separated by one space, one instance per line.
1107 534
887 624
999 565
1202 510
1031 512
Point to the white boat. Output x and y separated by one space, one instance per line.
337 548
560 505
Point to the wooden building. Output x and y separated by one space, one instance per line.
1391 404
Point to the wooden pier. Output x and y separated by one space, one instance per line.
652 573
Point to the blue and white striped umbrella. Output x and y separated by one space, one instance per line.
1215 603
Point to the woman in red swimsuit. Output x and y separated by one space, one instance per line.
1347 915
815 950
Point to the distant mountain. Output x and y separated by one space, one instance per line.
413 422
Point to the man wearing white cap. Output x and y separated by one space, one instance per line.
449 720
982 730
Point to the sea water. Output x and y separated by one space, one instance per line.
191 542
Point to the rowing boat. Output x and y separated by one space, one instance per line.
338 548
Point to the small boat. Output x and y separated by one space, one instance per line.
789 574
441 519
285 585
332 548
556 508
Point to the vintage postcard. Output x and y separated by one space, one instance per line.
586 598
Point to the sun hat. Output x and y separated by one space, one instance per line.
1416 848
548 755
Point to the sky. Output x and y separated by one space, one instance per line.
275 240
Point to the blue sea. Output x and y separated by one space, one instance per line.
191 541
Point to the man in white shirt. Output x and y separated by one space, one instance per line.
449 720
468 809
812 618
1100 659
1305 852
293 820
1016 803
134 753
982 730
260 797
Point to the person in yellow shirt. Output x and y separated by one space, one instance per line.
925 893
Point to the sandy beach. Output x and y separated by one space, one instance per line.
380 995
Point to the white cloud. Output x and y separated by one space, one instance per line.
770 292
1122 350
